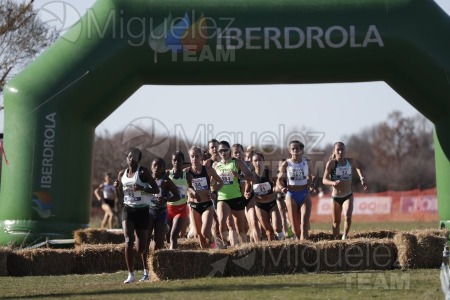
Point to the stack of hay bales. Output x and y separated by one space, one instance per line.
282 257
420 248
413 249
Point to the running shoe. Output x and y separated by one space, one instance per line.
144 278
220 244
130 279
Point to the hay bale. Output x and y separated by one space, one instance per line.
421 248
188 244
80 236
41 262
406 244
19 263
316 236
434 232
93 259
429 249
185 264
98 236
4 253
369 254
331 255
280 257
370 234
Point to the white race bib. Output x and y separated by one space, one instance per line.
296 174
131 195
200 184
344 173
261 188
227 178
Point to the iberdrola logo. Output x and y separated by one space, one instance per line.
180 36
42 204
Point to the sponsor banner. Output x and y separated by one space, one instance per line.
413 204
372 205
324 206
379 205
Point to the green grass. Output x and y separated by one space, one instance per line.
413 284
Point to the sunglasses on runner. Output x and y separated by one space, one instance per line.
224 150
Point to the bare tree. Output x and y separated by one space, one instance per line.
398 153
22 36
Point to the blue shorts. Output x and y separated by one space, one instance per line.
299 196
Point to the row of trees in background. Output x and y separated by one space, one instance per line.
397 154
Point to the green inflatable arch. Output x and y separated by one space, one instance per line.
53 106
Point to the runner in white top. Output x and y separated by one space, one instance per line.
296 172
135 183
106 193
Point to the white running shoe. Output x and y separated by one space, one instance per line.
130 279
344 237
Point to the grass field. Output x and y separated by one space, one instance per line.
395 284
414 284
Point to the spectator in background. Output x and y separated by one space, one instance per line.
106 193
338 174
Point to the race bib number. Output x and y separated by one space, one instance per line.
200 184
296 174
344 173
262 188
227 178
131 195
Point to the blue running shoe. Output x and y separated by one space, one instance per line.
144 278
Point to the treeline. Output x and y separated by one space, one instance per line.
397 154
